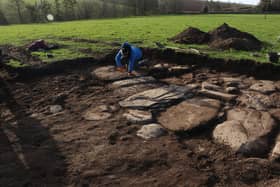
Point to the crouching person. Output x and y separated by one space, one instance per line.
127 59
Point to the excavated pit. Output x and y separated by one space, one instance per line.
63 126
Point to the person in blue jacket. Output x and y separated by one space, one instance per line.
128 56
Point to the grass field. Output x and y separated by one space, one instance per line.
144 31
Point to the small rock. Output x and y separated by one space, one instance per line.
213 87
151 131
126 137
138 116
232 90
177 70
265 87
164 65
275 155
59 99
98 113
232 82
97 116
55 109
218 95
113 138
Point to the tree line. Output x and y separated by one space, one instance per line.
35 11
270 5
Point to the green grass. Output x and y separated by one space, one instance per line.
145 29
15 63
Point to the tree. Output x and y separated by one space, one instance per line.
18 4
205 9
58 11
3 20
69 5
265 5
275 5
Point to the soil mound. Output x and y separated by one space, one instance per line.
226 37
223 37
191 36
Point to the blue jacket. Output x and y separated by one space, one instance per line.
135 55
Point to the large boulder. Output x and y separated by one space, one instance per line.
190 114
246 131
156 97
265 87
259 101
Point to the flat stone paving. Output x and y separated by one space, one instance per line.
245 103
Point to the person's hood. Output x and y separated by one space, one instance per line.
126 45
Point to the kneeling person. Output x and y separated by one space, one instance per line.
127 58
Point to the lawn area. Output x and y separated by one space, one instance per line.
146 30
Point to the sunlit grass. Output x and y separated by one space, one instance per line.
148 30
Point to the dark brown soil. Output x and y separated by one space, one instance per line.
226 37
191 36
223 37
20 54
38 148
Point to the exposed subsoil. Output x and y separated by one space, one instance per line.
38 148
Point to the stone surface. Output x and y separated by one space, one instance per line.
232 90
156 97
179 69
190 114
98 113
164 65
138 116
151 131
132 86
133 81
55 109
275 113
264 87
275 154
232 82
256 100
109 73
218 95
246 131
131 90
209 86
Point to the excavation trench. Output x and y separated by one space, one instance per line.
48 138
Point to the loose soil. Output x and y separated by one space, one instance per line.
224 37
39 148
